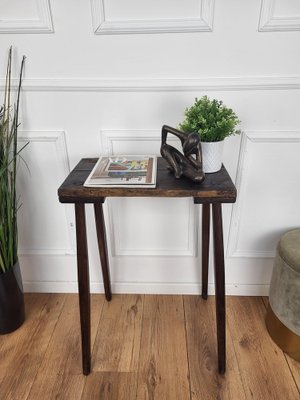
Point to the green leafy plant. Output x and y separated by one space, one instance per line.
211 119
9 153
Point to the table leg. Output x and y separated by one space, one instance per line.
83 287
219 285
205 247
102 245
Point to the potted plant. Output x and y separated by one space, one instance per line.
213 121
12 313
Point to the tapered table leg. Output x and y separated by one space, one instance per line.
102 245
83 287
205 247
219 285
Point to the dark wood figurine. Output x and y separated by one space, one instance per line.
189 163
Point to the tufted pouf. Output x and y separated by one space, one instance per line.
283 315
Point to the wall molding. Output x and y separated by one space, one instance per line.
157 85
59 140
201 23
43 24
242 173
108 138
189 251
269 22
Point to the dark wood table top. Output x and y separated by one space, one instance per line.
216 188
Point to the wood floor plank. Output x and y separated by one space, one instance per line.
25 348
265 300
163 365
206 382
262 364
60 374
57 386
118 340
293 364
110 386
295 370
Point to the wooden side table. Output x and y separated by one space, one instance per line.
215 190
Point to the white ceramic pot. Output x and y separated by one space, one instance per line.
212 154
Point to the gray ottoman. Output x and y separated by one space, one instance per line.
283 315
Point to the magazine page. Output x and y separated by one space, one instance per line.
123 171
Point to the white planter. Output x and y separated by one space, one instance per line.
212 154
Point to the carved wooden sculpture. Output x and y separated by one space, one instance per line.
189 163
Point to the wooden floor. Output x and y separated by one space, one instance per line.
144 347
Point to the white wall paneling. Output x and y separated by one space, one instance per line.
35 18
157 227
279 15
98 84
45 226
136 141
268 193
165 16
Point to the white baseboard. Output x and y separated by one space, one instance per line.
147 288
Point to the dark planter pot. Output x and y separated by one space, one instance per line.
12 310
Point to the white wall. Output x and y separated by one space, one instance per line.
104 76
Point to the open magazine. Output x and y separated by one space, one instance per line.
123 171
